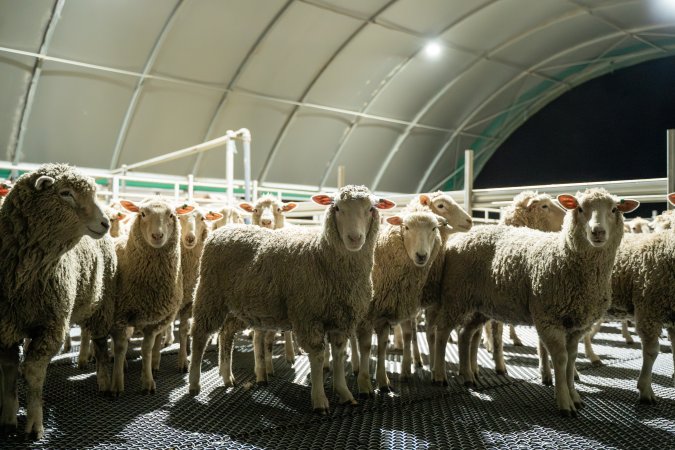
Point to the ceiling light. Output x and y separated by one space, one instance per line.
433 49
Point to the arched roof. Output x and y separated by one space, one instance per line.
320 83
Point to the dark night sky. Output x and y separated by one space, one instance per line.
610 128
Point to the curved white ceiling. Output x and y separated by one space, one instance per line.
320 83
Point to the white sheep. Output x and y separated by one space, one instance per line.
639 225
404 253
52 232
149 288
231 214
194 229
315 281
560 282
664 221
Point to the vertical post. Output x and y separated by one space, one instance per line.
670 138
176 192
255 190
124 174
115 188
191 187
340 176
468 180
246 137
229 169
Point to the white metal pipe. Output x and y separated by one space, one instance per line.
191 187
670 142
246 139
176 192
115 188
229 169
468 180
255 190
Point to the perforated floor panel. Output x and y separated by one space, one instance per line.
502 412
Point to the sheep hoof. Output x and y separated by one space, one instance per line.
82 364
183 369
597 363
385 389
517 344
365 395
648 400
440 383
502 372
195 390
148 391
469 384
565 413
351 402
419 365
321 411
580 404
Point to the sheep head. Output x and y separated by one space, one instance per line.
194 226
156 219
445 206
421 235
268 211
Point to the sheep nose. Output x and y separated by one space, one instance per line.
355 238
599 233
421 258
157 236
266 222
191 238
469 221
105 224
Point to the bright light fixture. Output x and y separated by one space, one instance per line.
433 49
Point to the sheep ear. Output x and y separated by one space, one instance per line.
129 206
627 205
4 189
43 182
213 216
246 207
184 209
394 220
288 206
568 201
323 199
532 203
671 198
383 203
425 200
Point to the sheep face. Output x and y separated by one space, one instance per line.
446 207
639 225
268 212
353 214
194 228
76 204
421 235
229 215
551 214
157 219
599 214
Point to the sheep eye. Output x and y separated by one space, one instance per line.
171 216
406 228
580 210
440 206
255 210
614 210
336 208
142 214
544 206
65 194
435 228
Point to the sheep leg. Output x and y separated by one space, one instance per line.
42 348
406 331
120 344
588 349
156 355
671 336
417 356
67 343
650 350
514 337
556 344
488 338
626 333
498 353
431 343
354 356
183 331
572 350
269 348
440 375
9 373
169 333
289 349
382 330
316 364
259 356
544 364
398 338
100 346
365 341
150 341
469 332
225 347
338 343
83 356
200 336
326 356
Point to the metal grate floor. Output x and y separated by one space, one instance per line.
503 412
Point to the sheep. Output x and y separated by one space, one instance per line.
642 286
532 210
639 225
267 212
52 231
193 232
230 214
404 253
663 221
560 282
315 281
149 287
116 222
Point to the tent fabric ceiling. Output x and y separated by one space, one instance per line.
320 83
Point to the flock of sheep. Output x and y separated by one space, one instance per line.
560 266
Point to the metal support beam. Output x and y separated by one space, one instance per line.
131 109
229 170
468 180
246 137
670 139
17 152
